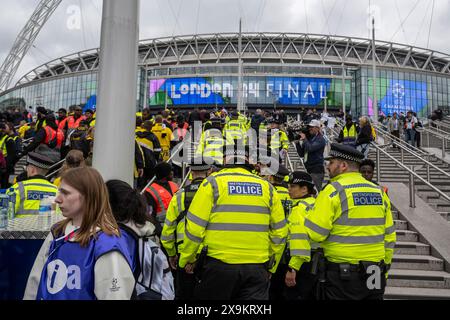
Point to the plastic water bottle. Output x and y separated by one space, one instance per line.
4 203
45 213
12 204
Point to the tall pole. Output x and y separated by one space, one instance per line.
374 76
240 96
344 102
114 134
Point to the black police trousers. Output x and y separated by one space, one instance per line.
184 285
222 281
354 287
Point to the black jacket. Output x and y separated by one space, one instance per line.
365 135
314 147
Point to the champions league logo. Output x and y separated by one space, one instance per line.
398 91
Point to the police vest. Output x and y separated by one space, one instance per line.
237 228
350 136
3 145
68 273
286 200
174 233
234 131
162 198
29 193
213 145
362 226
53 138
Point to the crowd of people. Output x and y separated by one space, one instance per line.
241 226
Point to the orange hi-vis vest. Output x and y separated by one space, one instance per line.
71 122
50 135
162 198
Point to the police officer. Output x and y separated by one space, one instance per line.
352 220
298 278
211 142
279 141
172 237
238 216
235 130
36 187
277 282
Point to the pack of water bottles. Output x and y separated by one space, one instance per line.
7 207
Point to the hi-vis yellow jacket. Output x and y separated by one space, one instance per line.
239 216
352 219
172 237
299 244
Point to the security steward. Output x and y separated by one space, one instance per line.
172 237
36 187
298 278
352 221
349 133
239 219
160 193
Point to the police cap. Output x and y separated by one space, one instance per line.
237 150
344 152
301 178
282 172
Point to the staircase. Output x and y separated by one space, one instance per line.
415 273
390 172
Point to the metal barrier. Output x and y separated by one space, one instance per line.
419 157
438 125
445 140
412 176
400 141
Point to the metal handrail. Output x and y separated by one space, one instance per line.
412 176
438 125
436 134
438 131
402 142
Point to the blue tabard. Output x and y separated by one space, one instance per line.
68 273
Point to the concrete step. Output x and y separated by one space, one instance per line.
412 248
402 293
407 236
419 279
416 262
395 215
401 225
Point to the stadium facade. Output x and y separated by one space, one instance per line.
280 70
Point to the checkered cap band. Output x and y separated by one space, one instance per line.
340 155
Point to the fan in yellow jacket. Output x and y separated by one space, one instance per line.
164 136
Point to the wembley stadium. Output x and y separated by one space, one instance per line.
280 70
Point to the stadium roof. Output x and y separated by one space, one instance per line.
283 48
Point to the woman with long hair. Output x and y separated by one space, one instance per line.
84 257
